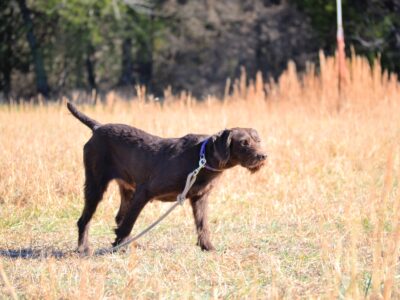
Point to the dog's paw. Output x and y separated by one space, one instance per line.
206 246
125 248
83 251
119 241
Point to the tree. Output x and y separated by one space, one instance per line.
40 72
210 41
372 27
7 13
187 44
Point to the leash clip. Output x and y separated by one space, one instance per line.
202 161
180 199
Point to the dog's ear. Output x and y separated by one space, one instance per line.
222 142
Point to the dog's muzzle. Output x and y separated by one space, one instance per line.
257 163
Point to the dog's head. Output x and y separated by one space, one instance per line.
238 146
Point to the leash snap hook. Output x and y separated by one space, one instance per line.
180 199
202 161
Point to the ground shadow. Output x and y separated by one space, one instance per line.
44 253
31 253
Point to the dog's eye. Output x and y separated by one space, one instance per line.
244 143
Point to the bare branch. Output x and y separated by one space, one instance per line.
375 44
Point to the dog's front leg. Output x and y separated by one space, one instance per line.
139 201
200 213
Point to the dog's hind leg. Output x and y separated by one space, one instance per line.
93 195
96 182
127 195
140 199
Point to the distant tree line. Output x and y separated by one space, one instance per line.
371 26
54 47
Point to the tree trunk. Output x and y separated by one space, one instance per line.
40 72
90 68
145 58
127 64
6 63
7 80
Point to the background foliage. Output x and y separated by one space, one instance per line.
55 47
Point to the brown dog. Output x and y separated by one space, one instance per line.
149 167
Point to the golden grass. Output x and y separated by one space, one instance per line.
320 220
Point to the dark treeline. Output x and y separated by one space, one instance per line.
54 47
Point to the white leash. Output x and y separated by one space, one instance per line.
190 180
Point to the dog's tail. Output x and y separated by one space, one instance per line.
92 124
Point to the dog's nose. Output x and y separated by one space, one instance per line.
262 156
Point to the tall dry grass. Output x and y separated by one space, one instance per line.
320 221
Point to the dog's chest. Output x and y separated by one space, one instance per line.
201 187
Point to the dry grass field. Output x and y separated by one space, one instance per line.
321 220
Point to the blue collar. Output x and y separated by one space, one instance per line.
203 156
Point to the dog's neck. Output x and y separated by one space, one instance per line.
203 153
213 164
